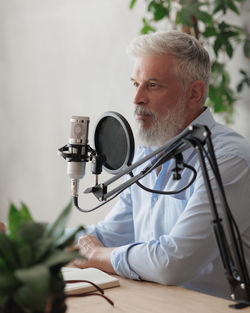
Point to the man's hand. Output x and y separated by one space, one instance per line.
97 255
2 227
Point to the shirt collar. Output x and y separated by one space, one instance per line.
205 119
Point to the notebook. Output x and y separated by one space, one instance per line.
94 275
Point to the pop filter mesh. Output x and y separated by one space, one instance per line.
114 139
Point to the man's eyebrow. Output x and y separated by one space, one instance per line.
149 80
154 79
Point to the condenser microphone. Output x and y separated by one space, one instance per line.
114 149
77 151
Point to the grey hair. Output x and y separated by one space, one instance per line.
193 62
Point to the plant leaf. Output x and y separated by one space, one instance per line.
132 3
29 300
8 284
56 229
246 48
31 232
233 7
7 251
244 81
37 276
218 6
28 240
44 247
229 49
184 17
158 10
24 252
68 238
209 31
17 218
217 44
222 5
35 290
205 17
4 267
62 257
147 28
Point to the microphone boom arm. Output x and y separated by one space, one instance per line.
234 262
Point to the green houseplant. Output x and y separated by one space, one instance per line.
31 257
208 22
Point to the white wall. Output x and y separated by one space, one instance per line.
60 58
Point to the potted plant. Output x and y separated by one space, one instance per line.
31 257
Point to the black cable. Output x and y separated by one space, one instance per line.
75 202
168 192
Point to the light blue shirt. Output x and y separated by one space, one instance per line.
170 239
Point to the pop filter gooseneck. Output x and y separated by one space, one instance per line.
113 138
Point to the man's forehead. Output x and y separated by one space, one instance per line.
154 66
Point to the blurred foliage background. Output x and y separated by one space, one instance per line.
208 22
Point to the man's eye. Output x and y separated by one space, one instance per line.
153 85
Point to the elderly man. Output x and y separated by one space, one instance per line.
169 239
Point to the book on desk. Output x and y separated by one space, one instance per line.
98 277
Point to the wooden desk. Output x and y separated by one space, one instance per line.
143 297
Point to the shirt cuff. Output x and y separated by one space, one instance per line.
119 261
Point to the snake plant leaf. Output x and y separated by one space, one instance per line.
32 235
68 238
31 256
61 258
37 276
28 239
7 251
33 294
31 232
4 267
17 218
43 248
29 300
24 252
8 284
56 229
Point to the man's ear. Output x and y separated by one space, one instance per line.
196 92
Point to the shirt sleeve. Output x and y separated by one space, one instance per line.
117 229
178 257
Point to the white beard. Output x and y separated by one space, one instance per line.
162 129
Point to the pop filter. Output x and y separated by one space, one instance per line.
114 139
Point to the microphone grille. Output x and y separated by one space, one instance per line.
79 127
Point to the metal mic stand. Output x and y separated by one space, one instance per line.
233 259
231 252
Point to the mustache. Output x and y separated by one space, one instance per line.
144 111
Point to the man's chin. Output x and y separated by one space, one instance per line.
144 125
146 139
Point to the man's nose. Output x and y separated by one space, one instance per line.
140 96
